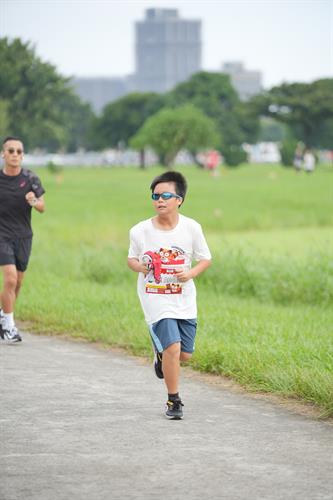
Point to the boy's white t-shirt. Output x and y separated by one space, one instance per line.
160 293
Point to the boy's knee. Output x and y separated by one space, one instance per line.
172 349
185 356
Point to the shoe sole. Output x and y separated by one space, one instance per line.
173 418
10 341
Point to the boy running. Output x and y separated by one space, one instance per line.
161 251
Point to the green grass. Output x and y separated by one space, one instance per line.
265 306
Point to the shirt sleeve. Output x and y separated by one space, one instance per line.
36 185
134 248
200 248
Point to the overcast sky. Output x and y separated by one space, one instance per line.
288 40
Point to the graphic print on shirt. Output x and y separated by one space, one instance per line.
162 265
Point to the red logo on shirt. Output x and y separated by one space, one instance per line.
23 183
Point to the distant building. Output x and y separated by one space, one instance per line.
167 49
246 83
100 91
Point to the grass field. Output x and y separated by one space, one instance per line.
265 306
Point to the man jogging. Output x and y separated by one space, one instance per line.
20 190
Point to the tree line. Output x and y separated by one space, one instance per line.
40 105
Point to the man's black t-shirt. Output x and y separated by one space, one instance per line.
15 212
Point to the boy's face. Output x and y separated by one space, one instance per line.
12 153
169 206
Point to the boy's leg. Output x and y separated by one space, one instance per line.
185 356
166 332
171 367
158 350
188 330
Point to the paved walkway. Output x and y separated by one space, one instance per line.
82 423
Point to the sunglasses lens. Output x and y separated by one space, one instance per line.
166 196
12 151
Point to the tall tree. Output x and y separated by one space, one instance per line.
216 97
42 107
307 108
121 119
170 130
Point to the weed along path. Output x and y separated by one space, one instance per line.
79 421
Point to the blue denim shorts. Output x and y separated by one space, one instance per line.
170 331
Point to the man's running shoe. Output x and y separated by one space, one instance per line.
1 321
11 335
1 333
158 364
174 410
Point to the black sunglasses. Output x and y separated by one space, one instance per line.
164 196
13 150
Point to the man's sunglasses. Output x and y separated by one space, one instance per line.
165 196
11 151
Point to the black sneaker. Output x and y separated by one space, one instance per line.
174 409
11 335
158 364
1 320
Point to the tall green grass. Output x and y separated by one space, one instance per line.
276 278
265 306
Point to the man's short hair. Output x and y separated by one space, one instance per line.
171 176
11 138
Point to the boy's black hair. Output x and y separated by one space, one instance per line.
175 177
11 138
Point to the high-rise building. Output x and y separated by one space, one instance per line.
246 83
168 50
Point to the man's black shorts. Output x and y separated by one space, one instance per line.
16 251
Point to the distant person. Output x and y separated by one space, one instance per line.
298 157
161 251
309 161
20 190
212 161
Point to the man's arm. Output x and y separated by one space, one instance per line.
37 203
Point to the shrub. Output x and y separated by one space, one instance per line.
287 151
234 155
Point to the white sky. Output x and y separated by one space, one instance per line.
288 40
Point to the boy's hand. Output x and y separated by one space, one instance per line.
188 274
183 275
144 268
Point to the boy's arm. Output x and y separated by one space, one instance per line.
136 266
184 275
